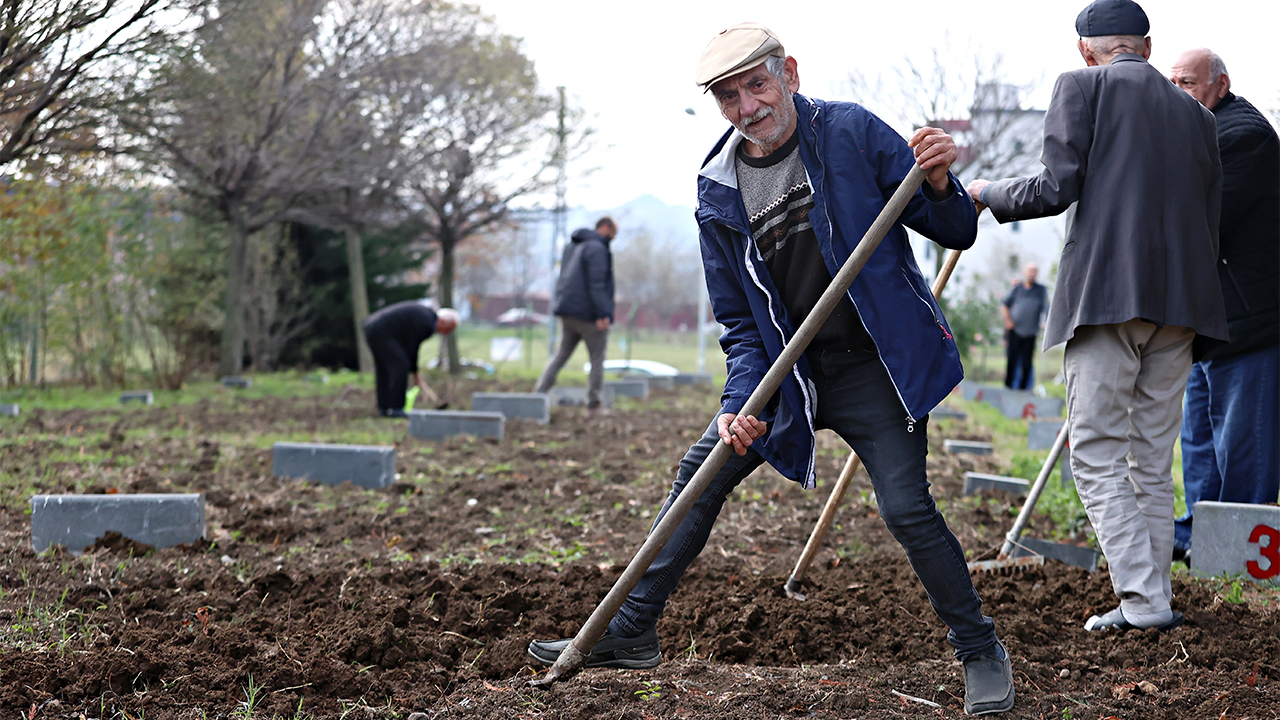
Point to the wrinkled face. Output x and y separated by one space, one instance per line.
759 105
1191 73
1029 274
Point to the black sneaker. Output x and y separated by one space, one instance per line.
637 653
1182 555
988 682
395 413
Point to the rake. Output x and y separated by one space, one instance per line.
574 655
846 475
1018 551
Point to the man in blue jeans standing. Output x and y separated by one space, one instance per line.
784 198
1022 310
1231 415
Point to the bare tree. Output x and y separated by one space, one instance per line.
968 92
254 118
55 62
655 275
486 139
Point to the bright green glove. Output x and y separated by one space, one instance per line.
409 397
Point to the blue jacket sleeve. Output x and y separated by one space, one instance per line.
950 221
746 359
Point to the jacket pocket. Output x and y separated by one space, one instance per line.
928 307
1235 284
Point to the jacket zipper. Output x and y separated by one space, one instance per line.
945 333
813 123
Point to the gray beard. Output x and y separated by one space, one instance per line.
782 118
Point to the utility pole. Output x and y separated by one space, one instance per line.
703 301
561 220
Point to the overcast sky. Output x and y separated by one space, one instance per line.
630 65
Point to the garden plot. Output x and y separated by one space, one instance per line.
316 601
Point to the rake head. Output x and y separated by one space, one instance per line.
1006 565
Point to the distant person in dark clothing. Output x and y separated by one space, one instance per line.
1021 311
1231 415
394 334
584 304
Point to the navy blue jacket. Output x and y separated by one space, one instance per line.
854 162
585 287
1249 231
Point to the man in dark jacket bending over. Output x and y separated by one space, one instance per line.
584 304
394 333
1231 414
784 198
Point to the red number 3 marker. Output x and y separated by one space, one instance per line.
1270 551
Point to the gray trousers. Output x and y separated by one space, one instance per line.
571 331
1124 401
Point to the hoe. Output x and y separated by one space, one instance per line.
574 656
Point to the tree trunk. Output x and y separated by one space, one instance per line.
231 361
359 296
449 341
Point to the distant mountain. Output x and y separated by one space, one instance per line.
669 225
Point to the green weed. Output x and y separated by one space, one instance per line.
651 691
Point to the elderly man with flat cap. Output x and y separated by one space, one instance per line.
1136 284
783 199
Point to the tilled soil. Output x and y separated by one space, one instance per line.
310 601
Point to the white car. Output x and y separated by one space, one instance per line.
636 368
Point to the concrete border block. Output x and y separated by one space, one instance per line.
9 410
979 391
317 378
577 396
972 447
1024 404
692 379
146 397
370 466
77 521
942 412
514 406
1081 557
661 382
1237 539
1042 433
442 424
236 381
975 482
631 387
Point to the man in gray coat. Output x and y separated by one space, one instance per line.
1136 284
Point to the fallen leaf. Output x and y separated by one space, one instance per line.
1148 688
495 688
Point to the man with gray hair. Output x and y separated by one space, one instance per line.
394 334
1139 159
783 199
1231 413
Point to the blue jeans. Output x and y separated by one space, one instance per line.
1230 433
857 400
1020 371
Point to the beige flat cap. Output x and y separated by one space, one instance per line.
735 49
